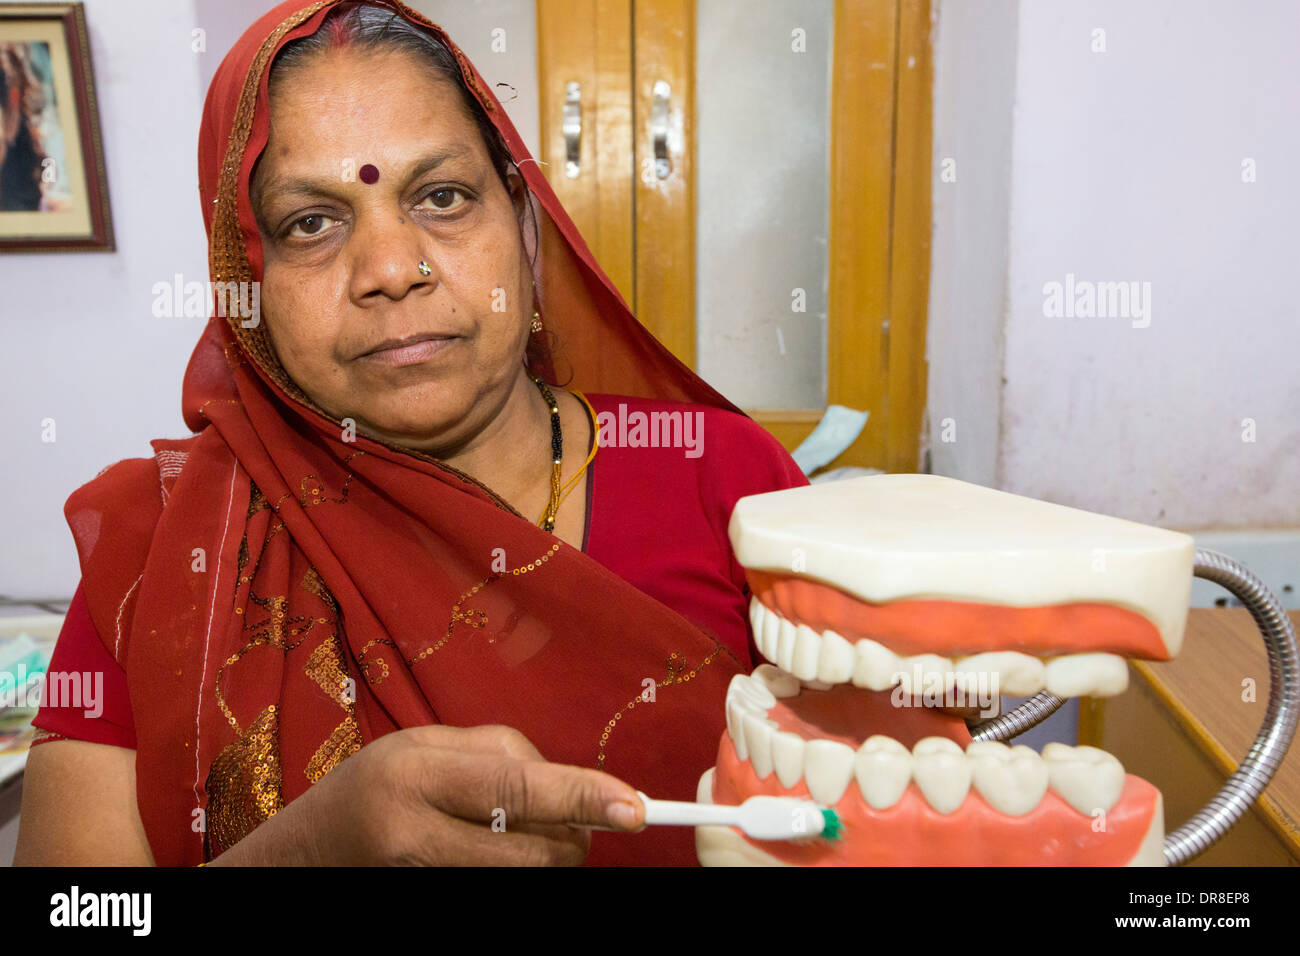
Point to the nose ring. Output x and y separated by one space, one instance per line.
424 268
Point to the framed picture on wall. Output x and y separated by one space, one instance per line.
53 189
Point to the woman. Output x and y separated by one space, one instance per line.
22 155
381 608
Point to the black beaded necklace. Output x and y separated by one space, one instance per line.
557 455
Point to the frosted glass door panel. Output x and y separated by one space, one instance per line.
762 102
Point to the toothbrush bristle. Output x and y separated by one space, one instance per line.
831 826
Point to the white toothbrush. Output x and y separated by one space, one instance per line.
763 818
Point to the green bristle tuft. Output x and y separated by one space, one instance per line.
832 829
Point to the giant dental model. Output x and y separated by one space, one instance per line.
874 596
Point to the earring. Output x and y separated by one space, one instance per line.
424 268
537 323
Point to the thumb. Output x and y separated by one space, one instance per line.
534 791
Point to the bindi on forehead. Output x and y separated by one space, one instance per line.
369 174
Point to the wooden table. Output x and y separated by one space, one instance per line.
1184 726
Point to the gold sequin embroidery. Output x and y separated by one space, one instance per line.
256 500
312 491
243 784
344 741
677 673
376 662
326 670
477 617
278 629
326 667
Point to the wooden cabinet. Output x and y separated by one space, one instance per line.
603 62
1184 725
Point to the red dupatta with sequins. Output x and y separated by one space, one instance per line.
279 596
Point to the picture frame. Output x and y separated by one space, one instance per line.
53 183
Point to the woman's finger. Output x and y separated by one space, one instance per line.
482 789
436 839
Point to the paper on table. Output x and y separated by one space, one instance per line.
837 430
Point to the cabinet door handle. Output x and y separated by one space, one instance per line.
659 113
572 128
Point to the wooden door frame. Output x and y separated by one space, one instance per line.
590 42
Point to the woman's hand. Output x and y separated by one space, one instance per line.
438 796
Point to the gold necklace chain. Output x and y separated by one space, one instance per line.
595 443
560 492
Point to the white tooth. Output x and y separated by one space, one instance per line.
924 673
1018 675
744 697
816 685
1012 780
735 727
1092 675
785 645
883 768
835 665
777 681
771 630
758 740
755 616
752 690
1086 778
807 649
939 768
827 769
787 757
874 665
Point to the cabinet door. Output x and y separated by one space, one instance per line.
755 177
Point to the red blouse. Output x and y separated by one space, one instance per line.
656 516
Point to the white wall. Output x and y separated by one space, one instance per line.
81 343
1126 165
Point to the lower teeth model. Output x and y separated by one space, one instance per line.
878 600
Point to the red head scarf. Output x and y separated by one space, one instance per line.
280 596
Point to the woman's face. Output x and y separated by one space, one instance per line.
341 286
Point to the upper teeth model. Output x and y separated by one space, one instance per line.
877 596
